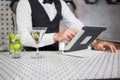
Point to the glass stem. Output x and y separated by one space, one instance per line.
37 50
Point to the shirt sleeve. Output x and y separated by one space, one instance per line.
24 22
69 18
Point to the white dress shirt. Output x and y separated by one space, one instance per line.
24 21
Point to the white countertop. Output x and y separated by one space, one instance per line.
56 66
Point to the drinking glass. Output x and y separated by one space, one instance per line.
14 45
37 34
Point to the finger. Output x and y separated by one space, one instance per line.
114 50
112 47
70 36
66 38
72 31
102 48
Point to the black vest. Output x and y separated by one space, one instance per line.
40 18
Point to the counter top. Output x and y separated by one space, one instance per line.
56 66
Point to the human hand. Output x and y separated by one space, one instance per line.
65 35
105 46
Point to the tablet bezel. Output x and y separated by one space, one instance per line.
87 31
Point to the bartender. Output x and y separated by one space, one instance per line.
35 13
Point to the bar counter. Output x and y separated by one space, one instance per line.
56 66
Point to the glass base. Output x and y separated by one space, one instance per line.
37 56
15 55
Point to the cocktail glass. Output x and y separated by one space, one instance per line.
37 34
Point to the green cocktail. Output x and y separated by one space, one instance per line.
14 45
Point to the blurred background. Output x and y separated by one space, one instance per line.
91 12
103 14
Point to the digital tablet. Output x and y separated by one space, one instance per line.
84 38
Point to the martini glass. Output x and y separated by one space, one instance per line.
37 34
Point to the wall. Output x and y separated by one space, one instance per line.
5 21
100 14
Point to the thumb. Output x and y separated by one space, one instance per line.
103 49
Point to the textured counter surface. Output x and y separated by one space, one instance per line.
59 67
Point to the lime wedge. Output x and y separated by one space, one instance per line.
17 37
11 35
16 47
